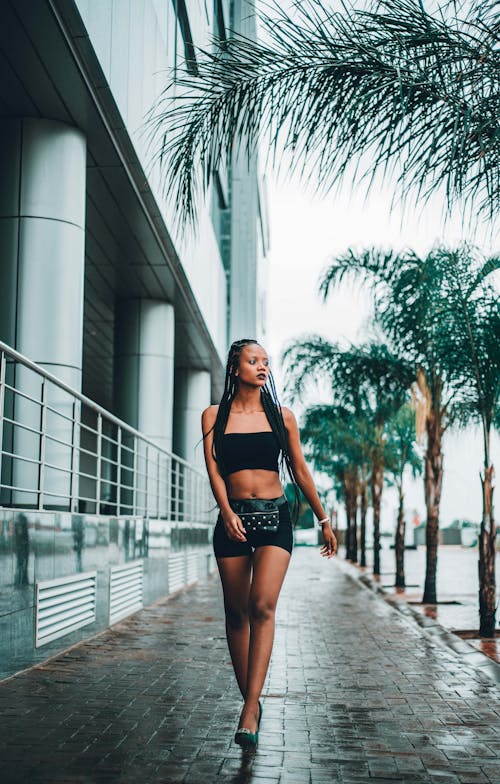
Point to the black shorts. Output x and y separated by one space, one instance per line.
224 547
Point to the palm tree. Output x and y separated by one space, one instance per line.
418 307
332 440
389 88
472 343
406 298
401 453
368 381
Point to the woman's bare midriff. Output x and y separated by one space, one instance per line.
253 483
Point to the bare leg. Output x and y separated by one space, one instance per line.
269 568
235 577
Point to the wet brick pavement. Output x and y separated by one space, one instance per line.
355 693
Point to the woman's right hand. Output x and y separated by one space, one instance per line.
234 527
329 547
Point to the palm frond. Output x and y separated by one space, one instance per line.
360 377
401 447
307 360
373 266
471 334
490 266
396 90
441 315
334 440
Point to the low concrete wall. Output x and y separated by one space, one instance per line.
43 546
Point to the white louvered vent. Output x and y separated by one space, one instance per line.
125 590
63 605
192 572
176 571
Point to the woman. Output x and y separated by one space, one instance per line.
243 438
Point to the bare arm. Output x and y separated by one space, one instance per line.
232 522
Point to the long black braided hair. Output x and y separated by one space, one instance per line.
271 406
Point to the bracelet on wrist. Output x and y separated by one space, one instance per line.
320 523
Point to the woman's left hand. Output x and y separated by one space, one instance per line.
329 547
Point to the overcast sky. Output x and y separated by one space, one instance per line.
305 233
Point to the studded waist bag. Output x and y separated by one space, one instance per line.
259 515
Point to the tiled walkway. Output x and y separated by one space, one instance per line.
355 693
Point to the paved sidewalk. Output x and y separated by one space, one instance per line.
356 693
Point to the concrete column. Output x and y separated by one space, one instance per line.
192 395
42 238
144 367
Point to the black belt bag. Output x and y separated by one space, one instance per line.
259 515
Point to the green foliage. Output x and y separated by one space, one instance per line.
341 444
401 449
441 318
470 336
332 442
369 385
393 88
331 439
370 376
305 517
441 315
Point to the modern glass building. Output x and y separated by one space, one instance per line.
113 326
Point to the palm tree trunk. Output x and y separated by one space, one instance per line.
354 531
433 486
348 518
377 482
487 535
399 544
350 497
363 508
486 563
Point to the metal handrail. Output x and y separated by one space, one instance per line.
46 453
5 348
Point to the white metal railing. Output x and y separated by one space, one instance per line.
60 450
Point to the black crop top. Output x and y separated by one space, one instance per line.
250 450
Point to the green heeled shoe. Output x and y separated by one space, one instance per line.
247 738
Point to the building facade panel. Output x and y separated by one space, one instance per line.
99 286
136 83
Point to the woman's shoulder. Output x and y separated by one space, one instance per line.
209 415
288 416
208 418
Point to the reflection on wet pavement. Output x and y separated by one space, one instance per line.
457 583
487 645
